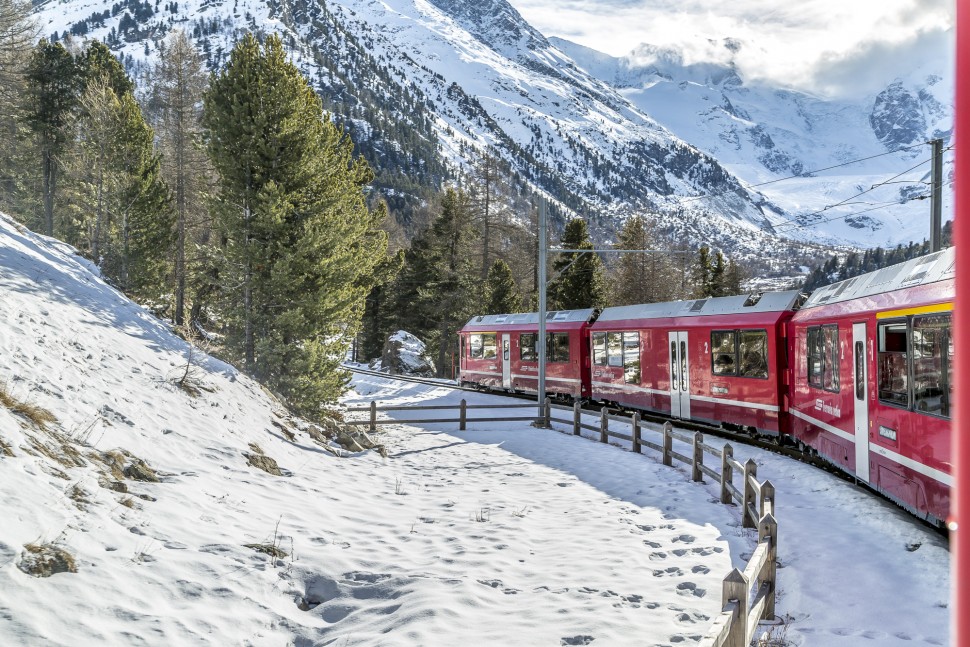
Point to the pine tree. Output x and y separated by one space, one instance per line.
378 320
16 36
702 273
53 87
97 63
119 203
300 245
580 281
734 278
178 82
716 287
435 291
501 293
644 277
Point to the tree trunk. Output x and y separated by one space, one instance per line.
249 344
49 182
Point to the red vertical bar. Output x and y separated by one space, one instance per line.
959 522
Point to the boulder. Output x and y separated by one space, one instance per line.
405 354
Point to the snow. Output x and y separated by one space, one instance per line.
501 534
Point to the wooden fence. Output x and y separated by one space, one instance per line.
747 596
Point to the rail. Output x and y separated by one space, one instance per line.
747 596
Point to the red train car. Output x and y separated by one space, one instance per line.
714 360
872 376
499 352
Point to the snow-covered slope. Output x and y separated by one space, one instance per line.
764 133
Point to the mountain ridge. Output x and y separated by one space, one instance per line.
425 85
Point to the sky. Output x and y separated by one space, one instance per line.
822 46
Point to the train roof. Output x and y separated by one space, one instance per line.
931 268
744 304
586 315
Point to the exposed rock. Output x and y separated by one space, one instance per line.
46 560
405 354
264 462
357 440
115 486
138 470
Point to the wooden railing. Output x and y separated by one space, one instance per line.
462 418
748 596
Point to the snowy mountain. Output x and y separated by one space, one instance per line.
764 133
424 84
139 512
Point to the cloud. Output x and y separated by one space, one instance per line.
813 45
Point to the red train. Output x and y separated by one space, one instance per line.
860 372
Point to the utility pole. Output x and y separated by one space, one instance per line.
936 206
541 342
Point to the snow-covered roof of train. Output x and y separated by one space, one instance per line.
522 318
767 302
918 271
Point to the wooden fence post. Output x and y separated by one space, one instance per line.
463 416
750 473
604 425
547 413
698 461
735 588
373 416
768 531
727 472
767 498
577 417
668 445
635 422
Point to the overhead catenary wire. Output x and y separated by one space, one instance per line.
805 174
794 225
793 222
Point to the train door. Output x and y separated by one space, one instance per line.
506 361
860 380
679 375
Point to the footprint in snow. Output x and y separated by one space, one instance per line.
671 571
689 588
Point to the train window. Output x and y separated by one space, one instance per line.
823 357
830 372
814 355
673 366
932 357
860 371
893 364
557 347
753 350
723 352
527 347
631 357
683 366
599 349
489 350
614 348
475 346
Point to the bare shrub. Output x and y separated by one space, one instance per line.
38 416
44 560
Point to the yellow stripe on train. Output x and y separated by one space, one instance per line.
922 310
